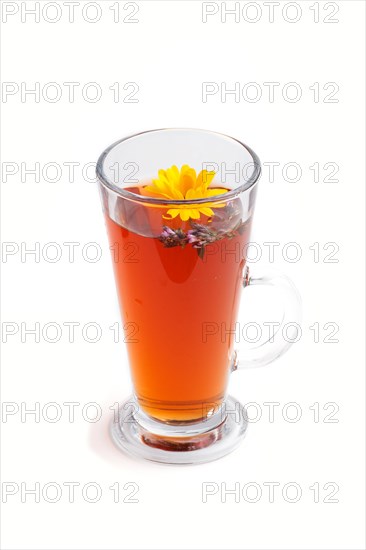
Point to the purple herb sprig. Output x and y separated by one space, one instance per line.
173 237
199 236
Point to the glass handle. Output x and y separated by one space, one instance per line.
277 343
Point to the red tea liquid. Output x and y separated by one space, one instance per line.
177 309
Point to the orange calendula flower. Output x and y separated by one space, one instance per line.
184 184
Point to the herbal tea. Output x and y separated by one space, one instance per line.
178 278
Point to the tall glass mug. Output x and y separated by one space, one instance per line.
178 205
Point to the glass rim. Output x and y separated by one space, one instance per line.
252 180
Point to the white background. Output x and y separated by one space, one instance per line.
169 53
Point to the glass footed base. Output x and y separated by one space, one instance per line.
183 443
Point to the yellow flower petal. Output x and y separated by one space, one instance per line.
173 175
214 192
184 184
160 185
162 175
146 192
191 194
184 214
194 214
173 213
204 178
207 211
